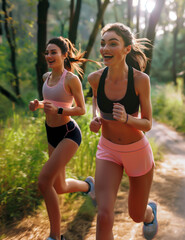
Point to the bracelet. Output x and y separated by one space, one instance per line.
126 119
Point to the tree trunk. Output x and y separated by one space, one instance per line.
153 20
99 6
129 10
41 65
138 18
1 30
174 70
95 31
10 35
10 96
179 9
74 20
72 11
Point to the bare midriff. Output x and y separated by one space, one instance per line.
57 120
120 133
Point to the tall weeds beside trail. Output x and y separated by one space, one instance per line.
168 105
22 153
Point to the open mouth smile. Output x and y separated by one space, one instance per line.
107 56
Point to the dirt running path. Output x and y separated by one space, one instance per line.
168 190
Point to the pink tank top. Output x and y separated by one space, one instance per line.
57 94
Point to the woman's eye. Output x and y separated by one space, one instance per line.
102 44
113 44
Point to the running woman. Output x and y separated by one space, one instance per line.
119 91
60 88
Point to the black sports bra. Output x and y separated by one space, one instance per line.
130 101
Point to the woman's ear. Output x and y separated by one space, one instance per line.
65 55
128 49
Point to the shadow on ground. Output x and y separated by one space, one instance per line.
82 222
76 222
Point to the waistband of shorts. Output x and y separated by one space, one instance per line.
62 126
142 143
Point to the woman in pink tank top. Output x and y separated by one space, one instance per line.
60 87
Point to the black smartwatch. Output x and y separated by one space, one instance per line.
60 110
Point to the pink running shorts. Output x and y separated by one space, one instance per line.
136 158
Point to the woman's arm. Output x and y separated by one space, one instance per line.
94 106
75 88
95 124
36 104
145 122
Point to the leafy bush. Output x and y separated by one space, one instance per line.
23 151
168 106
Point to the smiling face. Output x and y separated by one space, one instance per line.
113 48
54 56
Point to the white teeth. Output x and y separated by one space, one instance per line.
108 56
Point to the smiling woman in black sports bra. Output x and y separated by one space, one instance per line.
120 90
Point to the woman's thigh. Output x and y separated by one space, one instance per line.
58 159
107 180
139 194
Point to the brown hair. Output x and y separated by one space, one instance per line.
136 57
74 57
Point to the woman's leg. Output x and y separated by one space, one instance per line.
138 198
107 179
49 177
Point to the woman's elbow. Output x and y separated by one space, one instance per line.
82 111
148 126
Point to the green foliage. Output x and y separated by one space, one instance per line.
168 105
22 153
157 150
83 163
161 65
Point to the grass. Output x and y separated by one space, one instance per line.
168 105
22 154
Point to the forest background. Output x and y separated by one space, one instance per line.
25 27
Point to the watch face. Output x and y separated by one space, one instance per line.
60 110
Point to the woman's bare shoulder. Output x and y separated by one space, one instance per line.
141 81
72 78
94 78
140 78
45 76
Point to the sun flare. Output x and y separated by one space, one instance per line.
147 5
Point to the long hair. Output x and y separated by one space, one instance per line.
74 57
136 57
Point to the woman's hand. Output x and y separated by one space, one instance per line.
49 108
95 124
119 113
34 105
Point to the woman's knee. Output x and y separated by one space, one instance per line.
60 189
105 218
137 216
43 183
